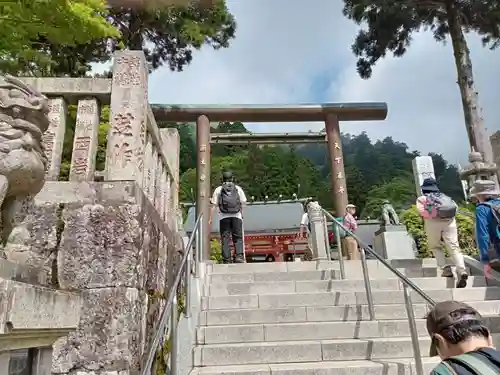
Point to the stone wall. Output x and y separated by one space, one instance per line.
111 244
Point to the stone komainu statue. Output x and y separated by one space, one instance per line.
23 120
389 216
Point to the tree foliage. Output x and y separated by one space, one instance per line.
374 170
169 36
390 24
30 29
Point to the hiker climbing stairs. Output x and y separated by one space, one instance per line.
293 318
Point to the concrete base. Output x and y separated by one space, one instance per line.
393 243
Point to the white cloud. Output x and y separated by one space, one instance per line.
295 51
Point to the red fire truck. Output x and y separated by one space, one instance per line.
270 230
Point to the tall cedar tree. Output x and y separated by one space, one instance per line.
167 36
391 23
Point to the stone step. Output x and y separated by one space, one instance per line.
241 288
263 276
309 351
376 270
316 331
325 313
401 366
269 301
313 265
309 266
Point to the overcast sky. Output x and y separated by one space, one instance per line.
288 52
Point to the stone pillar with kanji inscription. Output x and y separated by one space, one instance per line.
339 184
83 160
128 117
149 181
53 138
171 140
203 180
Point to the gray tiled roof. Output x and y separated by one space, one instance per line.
260 217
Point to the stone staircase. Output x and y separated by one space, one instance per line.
301 319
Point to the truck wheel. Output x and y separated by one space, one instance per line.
270 258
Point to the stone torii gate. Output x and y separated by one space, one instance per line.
329 113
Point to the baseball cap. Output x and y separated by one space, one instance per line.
448 313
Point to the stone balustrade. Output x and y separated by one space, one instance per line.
111 235
137 150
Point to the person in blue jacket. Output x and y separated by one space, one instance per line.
486 194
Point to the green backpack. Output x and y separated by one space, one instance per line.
475 363
342 232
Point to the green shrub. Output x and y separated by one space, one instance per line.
216 251
415 226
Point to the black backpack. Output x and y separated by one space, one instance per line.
229 199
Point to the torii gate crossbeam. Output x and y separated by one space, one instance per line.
266 138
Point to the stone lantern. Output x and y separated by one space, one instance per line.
477 169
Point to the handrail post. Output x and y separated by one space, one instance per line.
339 249
413 331
327 238
187 285
197 253
174 335
368 286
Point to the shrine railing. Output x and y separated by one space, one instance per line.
136 148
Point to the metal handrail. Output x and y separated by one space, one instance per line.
407 283
170 310
396 272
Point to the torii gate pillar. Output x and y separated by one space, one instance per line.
203 185
339 186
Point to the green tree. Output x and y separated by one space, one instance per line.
30 29
370 166
228 127
400 191
390 25
171 35
167 36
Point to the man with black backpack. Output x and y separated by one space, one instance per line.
229 199
462 340
439 211
486 193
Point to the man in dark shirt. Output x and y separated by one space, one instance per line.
460 337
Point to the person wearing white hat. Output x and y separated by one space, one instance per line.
349 243
487 195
